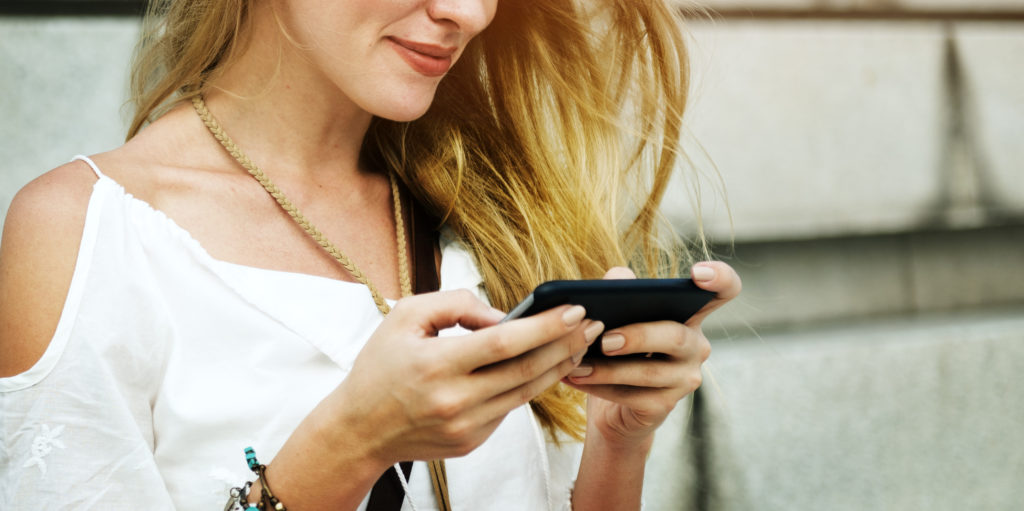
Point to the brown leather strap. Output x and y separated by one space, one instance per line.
387 493
422 243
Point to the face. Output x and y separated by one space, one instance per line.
386 56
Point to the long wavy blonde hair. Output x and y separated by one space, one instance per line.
548 147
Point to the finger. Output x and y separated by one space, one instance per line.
433 312
509 374
502 403
619 273
636 398
514 338
668 337
719 278
649 373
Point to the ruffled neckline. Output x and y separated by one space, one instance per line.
335 316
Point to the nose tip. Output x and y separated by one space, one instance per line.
471 16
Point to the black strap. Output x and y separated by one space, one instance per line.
387 493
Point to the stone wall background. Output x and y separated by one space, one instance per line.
871 150
872 155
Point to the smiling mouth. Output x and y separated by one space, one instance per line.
426 59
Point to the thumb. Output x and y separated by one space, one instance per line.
439 310
719 278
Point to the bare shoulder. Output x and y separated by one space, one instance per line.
43 231
41 235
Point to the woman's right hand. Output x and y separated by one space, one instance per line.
414 396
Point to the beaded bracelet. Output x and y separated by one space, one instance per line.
240 496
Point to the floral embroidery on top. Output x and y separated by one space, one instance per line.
42 446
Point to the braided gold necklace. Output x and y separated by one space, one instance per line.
438 473
403 264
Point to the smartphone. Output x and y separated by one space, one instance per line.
618 302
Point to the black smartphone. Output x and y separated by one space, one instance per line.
618 302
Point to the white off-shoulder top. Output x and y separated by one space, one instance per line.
167 363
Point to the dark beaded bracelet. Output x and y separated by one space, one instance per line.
267 499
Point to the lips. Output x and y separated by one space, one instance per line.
427 59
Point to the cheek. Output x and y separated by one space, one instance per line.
490 9
384 91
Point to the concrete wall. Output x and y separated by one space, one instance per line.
871 151
872 155
916 123
63 82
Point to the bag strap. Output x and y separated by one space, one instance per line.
387 493
423 236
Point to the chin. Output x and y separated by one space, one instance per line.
402 104
403 114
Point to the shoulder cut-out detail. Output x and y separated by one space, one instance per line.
41 242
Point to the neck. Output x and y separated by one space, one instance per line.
283 113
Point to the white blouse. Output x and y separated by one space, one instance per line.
166 363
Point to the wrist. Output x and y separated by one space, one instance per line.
336 428
611 473
620 445
328 462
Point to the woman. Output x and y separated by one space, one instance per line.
162 309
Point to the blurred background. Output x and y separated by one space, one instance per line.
873 157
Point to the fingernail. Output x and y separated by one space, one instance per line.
573 315
702 273
581 371
592 331
578 356
612 342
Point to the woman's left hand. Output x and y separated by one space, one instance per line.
630 397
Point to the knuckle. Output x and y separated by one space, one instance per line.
693 381
446 406
527 368
679 341
737 283
704 348
665 406
457 431
464 295
732 284
466 446
427 366
501 344
649 374
564 368
526 393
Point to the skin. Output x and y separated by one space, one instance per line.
303 124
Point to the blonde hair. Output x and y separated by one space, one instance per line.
548 147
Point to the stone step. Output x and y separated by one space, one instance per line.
798 283
917 412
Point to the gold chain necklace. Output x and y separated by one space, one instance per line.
438 474
275 192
